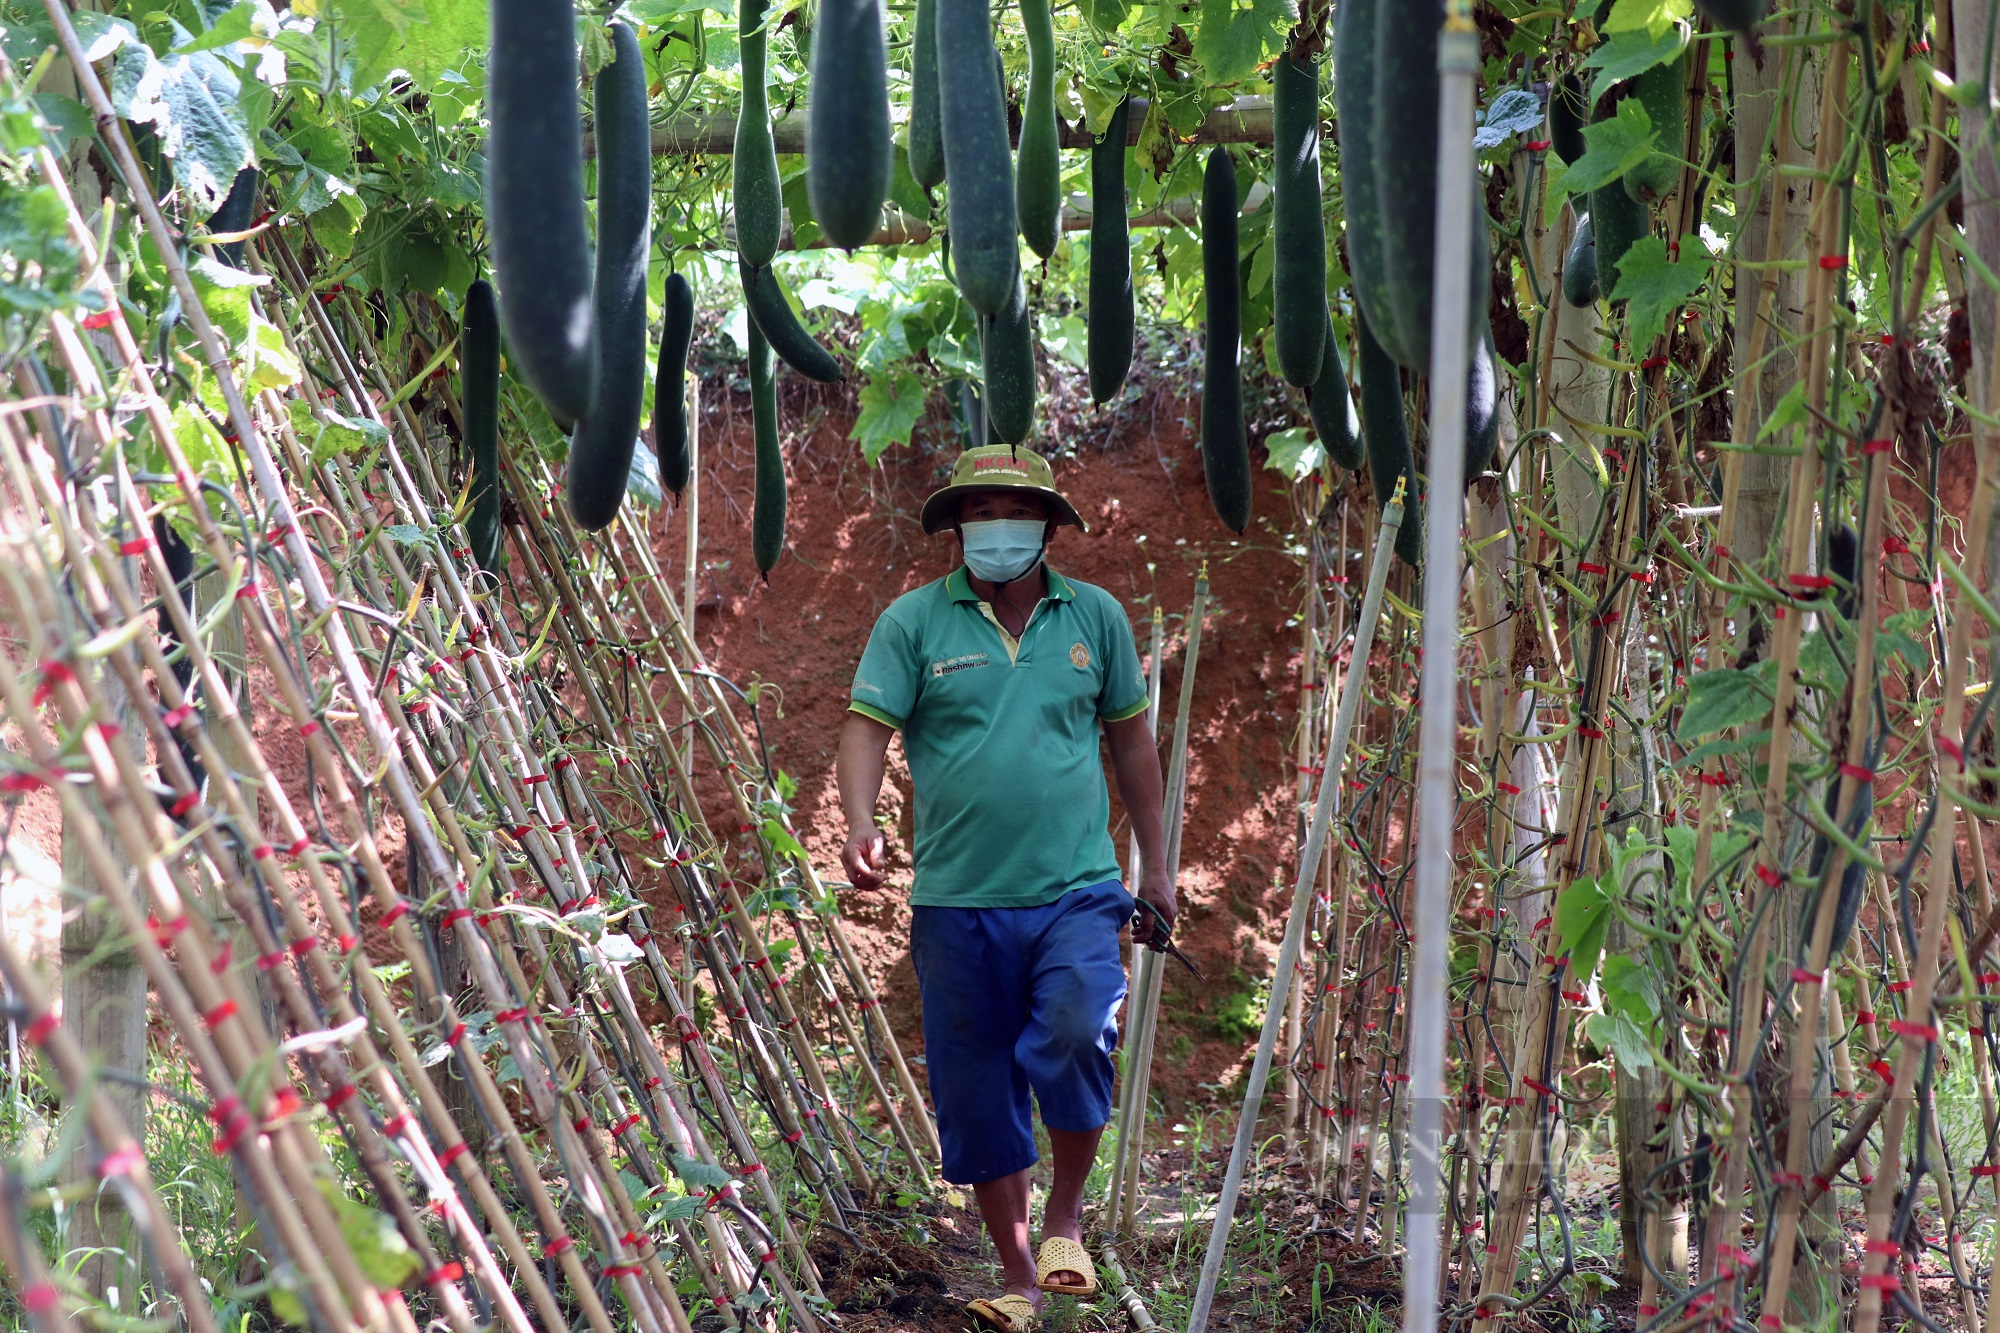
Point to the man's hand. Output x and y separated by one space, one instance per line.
864 856
1158 891
864 747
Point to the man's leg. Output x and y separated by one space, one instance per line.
1074 1153
1003 1207
1078 982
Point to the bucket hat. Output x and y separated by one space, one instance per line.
997 467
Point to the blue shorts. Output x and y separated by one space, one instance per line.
1018 999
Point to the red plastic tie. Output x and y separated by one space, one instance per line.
1898 987
1857 772
219 1015
1806 977
451 1271
452 1154
1833 263
395 913
1772 879
1590 567
1920 1031
1654 363
454 916
123 1162
1878 446
556 1247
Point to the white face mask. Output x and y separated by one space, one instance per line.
1001 550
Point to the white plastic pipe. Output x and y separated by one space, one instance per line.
1437 723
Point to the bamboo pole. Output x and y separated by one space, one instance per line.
1288 951
1128 1154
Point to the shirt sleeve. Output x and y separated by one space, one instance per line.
885 684
1124 693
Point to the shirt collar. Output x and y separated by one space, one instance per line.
958 585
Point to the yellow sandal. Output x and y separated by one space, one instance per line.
1060 1254
1004 1314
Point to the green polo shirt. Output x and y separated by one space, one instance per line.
1012 809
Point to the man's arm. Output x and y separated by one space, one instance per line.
858 769
1135 762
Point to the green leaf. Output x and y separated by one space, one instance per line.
196 103
680 1208
891 406
1105 16
328 435
1750 742
697 1174
1650 16
1633 52
1628 989
207 452
1295 453
1233 38
1720 699
379 1250
1583 913
1907 634
1655 286
1787 412
1515 111
1613 148
271 364
232 27
642 480
1625 1039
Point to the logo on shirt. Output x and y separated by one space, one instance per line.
963 663
868 685
1079 657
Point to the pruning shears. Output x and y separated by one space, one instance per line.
1161 940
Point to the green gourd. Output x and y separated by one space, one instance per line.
670 420
767 517
1580 287
1007 353
1387 434
1482 404
1331 406
1038 161
1355 24
926 138
479 401
1109 339
755 190
1734 15
1569 112
234 214
1225 449
600 449
849 153
979 162
535 221
1617 220
1405 133
771 312
1298 225
1661 90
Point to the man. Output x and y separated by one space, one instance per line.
999 676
